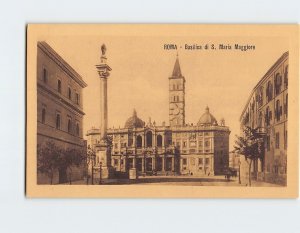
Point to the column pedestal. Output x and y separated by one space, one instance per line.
103 152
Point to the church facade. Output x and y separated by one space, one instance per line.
174 149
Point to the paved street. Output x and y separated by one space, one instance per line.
178 180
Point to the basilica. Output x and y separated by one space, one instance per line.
177 148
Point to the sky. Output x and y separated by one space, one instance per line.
219 79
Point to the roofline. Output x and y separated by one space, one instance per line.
61 62
279 60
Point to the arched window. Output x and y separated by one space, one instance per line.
77 129
269 91
268 116
70 93
58 121
286 104
59 86
139 141
149 139
159 140
286 76
77 98
43 116
45 75
69 126
277 84
278 110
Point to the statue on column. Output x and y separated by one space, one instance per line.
103 49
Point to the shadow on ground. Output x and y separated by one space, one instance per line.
144 180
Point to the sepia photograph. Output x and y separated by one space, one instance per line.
162 110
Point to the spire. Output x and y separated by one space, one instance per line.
134 113
207 109
176 70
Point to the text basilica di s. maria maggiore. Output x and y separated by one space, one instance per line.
200 149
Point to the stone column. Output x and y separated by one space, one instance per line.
104 148
163 164
125 163
134 140
143 164
173 164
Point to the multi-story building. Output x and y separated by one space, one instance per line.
59 107
179 148
267 109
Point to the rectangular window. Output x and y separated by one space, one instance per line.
116 162
184 144
200 144
77 98
45 75
59 86
285 139
268 143
207 143
58 120
277 141
200 161
70 93
184 161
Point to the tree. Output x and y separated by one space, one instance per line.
90 159
251 145
52 158
48 159
72 157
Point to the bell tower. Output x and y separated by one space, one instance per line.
177 96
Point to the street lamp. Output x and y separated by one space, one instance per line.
100 171
239 171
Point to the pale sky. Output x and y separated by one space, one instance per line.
220 79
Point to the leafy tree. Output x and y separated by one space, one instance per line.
72 157
251 145
52 158
48 159
90 161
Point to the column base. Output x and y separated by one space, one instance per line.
132 173
107 172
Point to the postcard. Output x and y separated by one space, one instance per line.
162 111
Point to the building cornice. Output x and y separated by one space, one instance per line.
263 79
50 52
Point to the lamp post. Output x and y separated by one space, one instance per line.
239 171
100 175
93 163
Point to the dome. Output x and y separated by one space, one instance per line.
207 118
134 121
